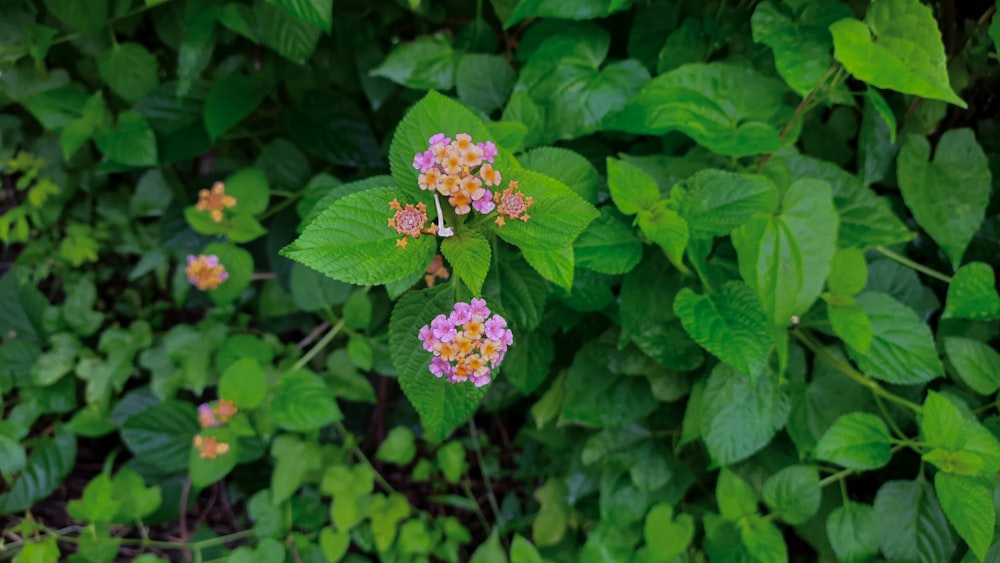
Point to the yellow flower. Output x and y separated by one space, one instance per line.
215 201
209 447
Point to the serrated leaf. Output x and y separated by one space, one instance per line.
902 349
558 215
568 167
857 441
316 12
785 258
553 265
302 402
131 143
763 540
469 254
329 125
977 363
291 37
230 100
916 527
898 47
969 507
632 189
517 290
484 81
47 468
740 415
972 293
941 423
427 63
794 492
442 405
161 435
666 228
951 217
608 245
595 396
352 242
728 109
714 202
851 325
799 38
854 532
735 497
130 70
730 324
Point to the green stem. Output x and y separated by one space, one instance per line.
482 469
364 458
845 473
201 544
479 512
910 263
858 377
329 336
888 417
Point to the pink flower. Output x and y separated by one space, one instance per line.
489 150
468 344
479 308
461 314
508 338
443 329
424 161
427 336
439 367
484 205
480 380
495 327
438 139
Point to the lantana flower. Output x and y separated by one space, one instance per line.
513 204
409 221
205 271
215 201
436 270
210 416
467 344
209 447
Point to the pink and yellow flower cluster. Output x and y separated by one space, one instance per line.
460 170
209 416
468 343
205 271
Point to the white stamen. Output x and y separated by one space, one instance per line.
442 230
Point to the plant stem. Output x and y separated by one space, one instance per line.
482 469
479 512
801 109
364 458
845 473
910 263
852 373
329 336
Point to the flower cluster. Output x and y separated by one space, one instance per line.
209 416
468 343
205 271
215 201
436 270
409 221
513 204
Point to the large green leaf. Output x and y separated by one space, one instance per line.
130 70
977 363
951 217
427 63
558 215
132 143
741 414
516 291
728 109
794 493
763 540
554 265
484 81
595 396
941 423
85 17
730 324
469 255
969 507
785 258
799 38
897 47
632 189
913 525
857 441
47 468
316 12
442 405
972 293
609 244
902 349
161 435
351 241
580 10
303 402
714 202
566 166
854 532
527 364
291 37
230 100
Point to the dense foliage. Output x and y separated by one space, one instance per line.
536 280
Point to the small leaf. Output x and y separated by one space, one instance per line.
972 293
794 492
941 423
631 188
313 291
398 447
357 312
427 63
763 540
244 383
239 265
977 363
484 81
851 325
666 536
161 435
522 551
848 272
854 532
206 470
856 441
897 47
666 228
132 143
316 12
735 496
730 324
950 217
50 462
902 349
290 36
969 507
469 254
302 403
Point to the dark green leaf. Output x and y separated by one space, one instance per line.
969 507
161 435
329 125
130 70
917 528
428 63
902 349
609 245
87 18
794 493
231 99
316 12
48 466
302 402
484 81
132 143
714 202
854 532
291 37
741 414
972 293
977 363
856 441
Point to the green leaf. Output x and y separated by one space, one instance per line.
244 228
330 126
666 228
523 551
794 492
730 324
972 293
714 202
161 435
398 447
205 470
517 291
632 189
598 397
98 503
137 500
230 100
250 188
451 460
851 325
799 38
302 402
897 47
553 265
442 405
294 460
358 311
484 81
334 543
130 70
558 215
877 147
736 498
239 266
469 254
666 536
47 468
13 458
132 143
977 363
87 18
730 110
857 441
950 217
244 383
685 44
958 463
969 507
568 167
941 423
581 10
914 526
609 245
763 540
291 37
902 349
848 272
312 291
785 258
427 63
740 415
527 364
352 242
316 12
854 532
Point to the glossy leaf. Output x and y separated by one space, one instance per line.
714 202
557 217
856 441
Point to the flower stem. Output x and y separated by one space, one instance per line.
329 336
910 263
